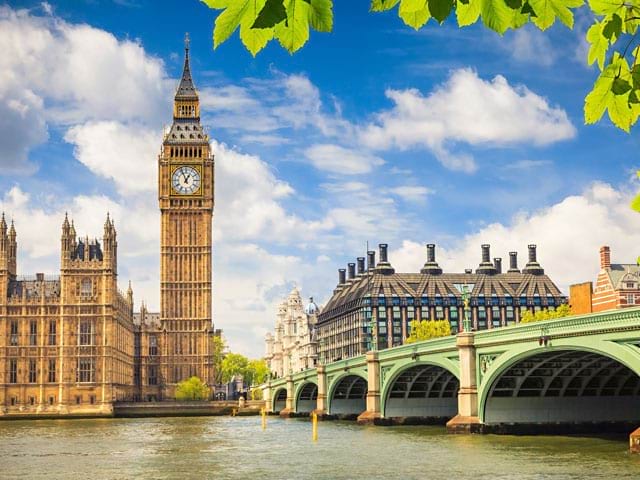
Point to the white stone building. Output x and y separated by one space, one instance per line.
293 346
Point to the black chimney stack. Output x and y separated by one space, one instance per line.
360 265
431 252
383 253
371 260
431 267
533 267
513 262
497 263
486 267
342 276
486 255
352 270
383 265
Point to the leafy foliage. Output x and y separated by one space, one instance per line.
253 372
612 37
426 329
217 354
192 389
561 311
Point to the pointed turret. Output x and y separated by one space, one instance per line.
12 251
3 225
130 294
66 240
186 88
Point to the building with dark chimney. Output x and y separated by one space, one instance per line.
375 290
617 286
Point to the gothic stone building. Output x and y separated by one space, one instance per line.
293 346
66 342
396 299
71 344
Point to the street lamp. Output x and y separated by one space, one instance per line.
466 320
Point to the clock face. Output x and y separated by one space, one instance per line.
185 180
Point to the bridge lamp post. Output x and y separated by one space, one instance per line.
544 336
466 321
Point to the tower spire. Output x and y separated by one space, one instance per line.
186 88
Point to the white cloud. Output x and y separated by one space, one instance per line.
249 202
412 193
466 110
50 73
568 234
345 161
124 153
530 45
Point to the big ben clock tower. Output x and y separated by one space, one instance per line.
185 193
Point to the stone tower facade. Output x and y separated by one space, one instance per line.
186 199
66 341
293 345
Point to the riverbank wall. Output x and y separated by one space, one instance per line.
143 409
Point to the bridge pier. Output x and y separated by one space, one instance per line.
372 414
466 421
288 409
266 396
321 402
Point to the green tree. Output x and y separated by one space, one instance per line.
256 372
233 364
612 37
192 389
218 347
562 311
426 329
257 394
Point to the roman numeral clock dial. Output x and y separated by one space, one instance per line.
185 180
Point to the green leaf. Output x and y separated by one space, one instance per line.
598 98
605 7
321 15
414 13
255 39
612 28
620 86
228 21
599 44
633 97
526 8
548 10
440 9
217 4
294 33
620 112
496 15
468 14
637 209
382 5
514 4
271 14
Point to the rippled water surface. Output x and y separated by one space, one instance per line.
237 448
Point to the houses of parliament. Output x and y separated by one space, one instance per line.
71 344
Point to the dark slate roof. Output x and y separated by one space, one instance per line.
514 284
34 287
186 89
186 131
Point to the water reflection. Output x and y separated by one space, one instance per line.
225 448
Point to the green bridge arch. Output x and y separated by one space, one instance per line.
625 354
391 375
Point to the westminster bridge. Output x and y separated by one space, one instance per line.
577 373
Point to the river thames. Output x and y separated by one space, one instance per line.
237 448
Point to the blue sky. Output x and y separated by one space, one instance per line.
374 133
